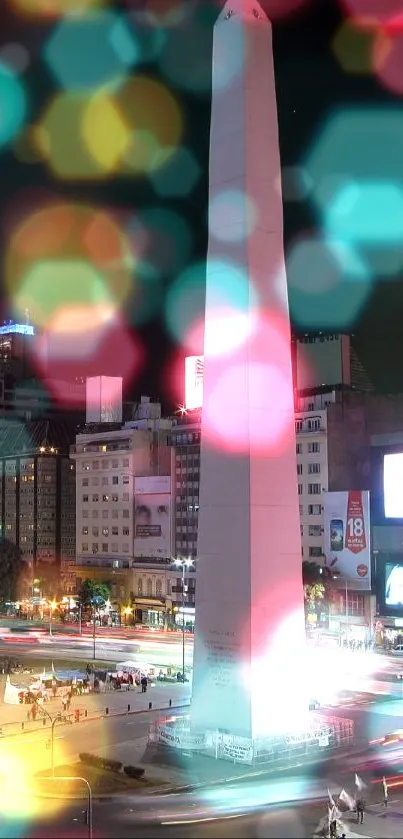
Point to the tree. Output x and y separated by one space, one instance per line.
12 570
91 589
314 584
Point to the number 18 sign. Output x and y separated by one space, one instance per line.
347 537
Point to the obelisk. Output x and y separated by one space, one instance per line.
249 636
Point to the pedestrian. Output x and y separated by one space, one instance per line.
144 684
68 701
360 810
29 715
34 712
64 703
385 792
333 829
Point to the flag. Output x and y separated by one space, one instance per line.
347 799
359 782
331 799
385 787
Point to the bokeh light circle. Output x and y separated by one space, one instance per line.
371 13
13 104
63 235
388 60
55 8
246 386
229 290
232 216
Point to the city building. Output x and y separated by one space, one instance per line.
15 349
37 498
123 492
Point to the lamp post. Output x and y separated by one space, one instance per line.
184 564
69 778
53 721
52 607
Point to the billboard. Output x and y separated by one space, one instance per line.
194 370
393 485
394 585
152 517
347 536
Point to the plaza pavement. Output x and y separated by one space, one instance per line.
379 822
162 696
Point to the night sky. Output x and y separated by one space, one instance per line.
310 85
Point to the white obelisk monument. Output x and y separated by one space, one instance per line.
249 635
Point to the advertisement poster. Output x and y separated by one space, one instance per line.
152 517
347 536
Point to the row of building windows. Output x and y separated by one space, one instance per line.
85 482
313 489
105 514
114 497
313 509
104 547
114 464
307 425
312 448
313 529
313 468
105 531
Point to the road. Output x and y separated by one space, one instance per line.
156 650
261 807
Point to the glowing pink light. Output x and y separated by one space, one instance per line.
267 425
388 58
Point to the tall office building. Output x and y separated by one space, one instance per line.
37 498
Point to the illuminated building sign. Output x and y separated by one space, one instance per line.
17 329
194 369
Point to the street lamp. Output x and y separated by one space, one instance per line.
52 607
184 564
95 601
68 779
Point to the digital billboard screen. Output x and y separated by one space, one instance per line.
394 585
393 485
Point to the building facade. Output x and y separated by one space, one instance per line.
109 460
37 499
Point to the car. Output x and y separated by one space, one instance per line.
398 650
314 705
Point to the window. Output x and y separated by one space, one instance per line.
314 489
115 479
299 448
158 588
314 448
84 547
126 461
126 531
126 496
105 531
86 466
299 489
95 547
84 482
95 497
115 464
149 587
140 588
95 464
298 425
85 498
301 529
94 482
95 531
115 514
314 509
125 514
105 464
315 530
105 514
115 531
315 550
84 530
95 514
85 514
299 468
125 547
104 480
105 498
301 510
105 547
115 497
114 547
314 425
313 468
126 479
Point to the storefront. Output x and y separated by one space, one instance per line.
150 611
185 616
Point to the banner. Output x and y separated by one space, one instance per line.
152 517
347 536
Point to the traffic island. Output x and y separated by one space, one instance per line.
105 777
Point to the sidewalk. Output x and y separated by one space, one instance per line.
379 823
13 718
